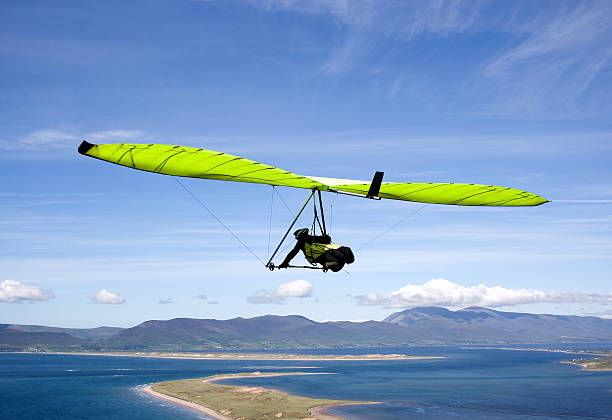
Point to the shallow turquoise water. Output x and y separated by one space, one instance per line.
469 383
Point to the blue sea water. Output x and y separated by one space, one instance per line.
466 384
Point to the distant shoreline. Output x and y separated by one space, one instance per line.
598 364
317 412
593 352
242 356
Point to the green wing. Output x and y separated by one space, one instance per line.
444 193
195 163
201 163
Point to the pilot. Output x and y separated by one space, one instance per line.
319 250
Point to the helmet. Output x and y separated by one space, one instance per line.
300 232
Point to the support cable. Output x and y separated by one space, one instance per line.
284 202
392 226
331 211
217 219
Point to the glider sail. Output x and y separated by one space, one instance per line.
207 164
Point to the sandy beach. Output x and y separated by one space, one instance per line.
197 407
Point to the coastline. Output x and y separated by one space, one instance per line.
317 412
320 412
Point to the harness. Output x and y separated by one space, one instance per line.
314 250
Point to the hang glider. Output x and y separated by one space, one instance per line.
207 164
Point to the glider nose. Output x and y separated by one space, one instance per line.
84 147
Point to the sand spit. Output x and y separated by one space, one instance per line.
250 356
316 413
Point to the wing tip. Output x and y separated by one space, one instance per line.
84 147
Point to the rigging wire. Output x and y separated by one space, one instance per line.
393 226
284 202
217 219
331 212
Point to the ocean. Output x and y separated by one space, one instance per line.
468 384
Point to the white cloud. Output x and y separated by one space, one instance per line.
13 291
441 292
106 297
296 288
201 296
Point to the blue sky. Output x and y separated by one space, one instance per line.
504 93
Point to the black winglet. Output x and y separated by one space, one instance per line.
84 147
375 185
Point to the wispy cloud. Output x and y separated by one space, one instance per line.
106 297
13 291
365 22
550 56
57 139
560 56
296 288
47 139
204 298
166 301
441 292
116 136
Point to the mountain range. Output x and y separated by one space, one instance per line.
417 326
